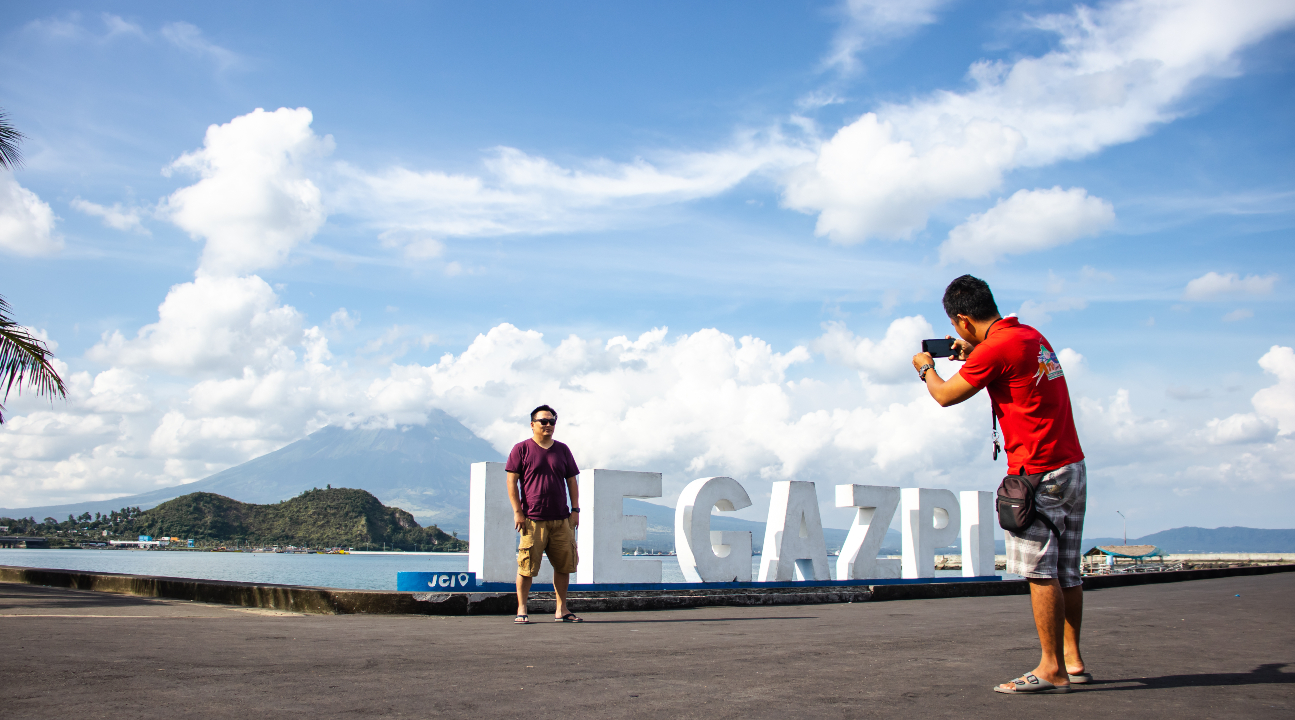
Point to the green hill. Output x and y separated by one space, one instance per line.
316 518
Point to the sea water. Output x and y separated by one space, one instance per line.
356 571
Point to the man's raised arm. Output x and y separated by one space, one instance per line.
946 392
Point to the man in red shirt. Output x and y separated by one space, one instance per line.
541 473
1029 398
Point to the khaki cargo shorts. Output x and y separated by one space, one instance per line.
555 537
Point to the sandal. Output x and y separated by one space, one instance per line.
1082 678
569 618
522 620
1028 683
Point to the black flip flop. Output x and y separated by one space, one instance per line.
569 618
522 620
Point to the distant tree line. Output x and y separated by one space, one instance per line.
334 517
77 528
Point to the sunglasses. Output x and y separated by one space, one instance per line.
546 421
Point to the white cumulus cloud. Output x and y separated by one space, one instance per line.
887 360
215 325
26 221
1028 221
1277 402
256 199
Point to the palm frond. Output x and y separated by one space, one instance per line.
25 360
10 155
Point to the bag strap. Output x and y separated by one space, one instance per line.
1035 485
1037 513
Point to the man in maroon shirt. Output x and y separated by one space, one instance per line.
541 473
1029 398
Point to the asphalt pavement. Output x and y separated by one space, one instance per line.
1200 649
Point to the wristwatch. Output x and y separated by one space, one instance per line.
575 510
921 372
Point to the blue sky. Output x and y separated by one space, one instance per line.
462 206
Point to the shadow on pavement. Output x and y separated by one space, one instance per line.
11 596
702 620
1267 674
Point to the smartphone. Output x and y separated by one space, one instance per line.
942 347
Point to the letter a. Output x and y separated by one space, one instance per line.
793 538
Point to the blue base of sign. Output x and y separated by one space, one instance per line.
446 582
438 582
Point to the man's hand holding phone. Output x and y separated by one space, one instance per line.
961 348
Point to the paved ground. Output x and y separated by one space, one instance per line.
1181 650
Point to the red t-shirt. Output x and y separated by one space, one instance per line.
544 478
1028 394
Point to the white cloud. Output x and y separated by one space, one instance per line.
1274 406
1212 285
1028 221
884 361
189 38
116 217
26 221
1072 362
706 400
869 22
117 26
1117 72
520 193
1277 402
706 403
343 319
1238 314
256 200
1240 428
213 325
1037 313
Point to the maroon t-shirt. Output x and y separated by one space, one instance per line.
1028 392
544 478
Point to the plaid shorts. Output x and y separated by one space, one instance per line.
1035 553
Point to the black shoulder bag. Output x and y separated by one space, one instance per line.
1016 508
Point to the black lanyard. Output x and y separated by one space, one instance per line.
997 447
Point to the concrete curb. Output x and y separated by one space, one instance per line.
331 601
292 598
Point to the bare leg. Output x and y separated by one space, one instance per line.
523 592
1049 606
1074 598
560 581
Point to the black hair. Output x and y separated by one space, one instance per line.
970 296
543 408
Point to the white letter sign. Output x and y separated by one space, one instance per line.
978 520
931 520
492 536
793 537
492 551
706 556
604 525
858 559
